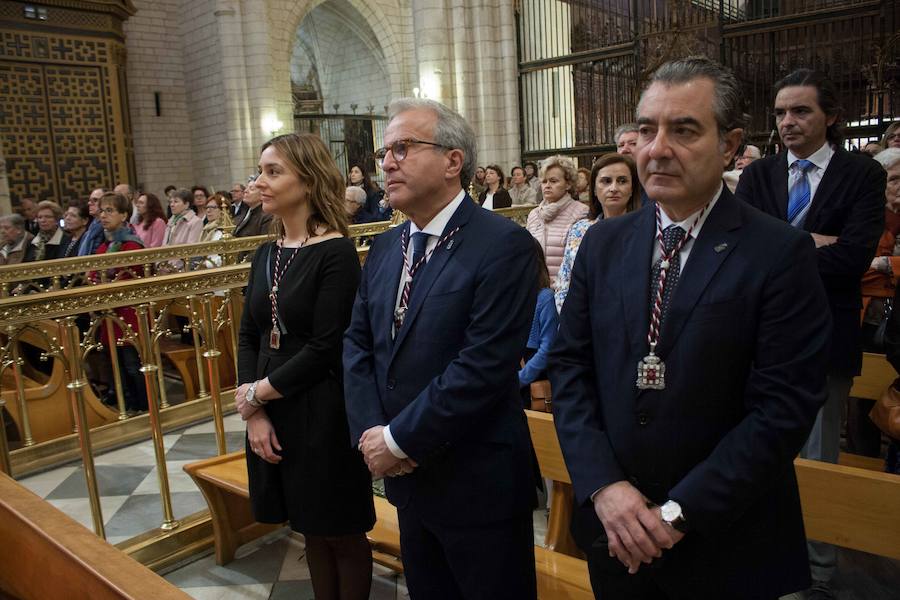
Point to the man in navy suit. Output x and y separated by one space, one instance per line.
430 367
837 199
688 368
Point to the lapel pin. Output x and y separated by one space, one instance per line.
450 244
720 247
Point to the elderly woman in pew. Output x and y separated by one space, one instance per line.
301 465
76 220
50 241
14 239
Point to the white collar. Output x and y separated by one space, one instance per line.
819 158
686 223
437 225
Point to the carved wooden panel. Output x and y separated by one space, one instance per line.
25 131
55 130
63 113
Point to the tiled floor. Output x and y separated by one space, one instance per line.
274 567
128 481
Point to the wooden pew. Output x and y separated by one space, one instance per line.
845 506
223 481
48 555
877 374
47 398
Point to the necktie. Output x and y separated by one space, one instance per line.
672 236
799 196
420 242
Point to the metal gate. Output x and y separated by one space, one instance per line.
352 139
583 63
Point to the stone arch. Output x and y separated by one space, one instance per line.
388 37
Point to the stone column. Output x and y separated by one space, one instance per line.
466 57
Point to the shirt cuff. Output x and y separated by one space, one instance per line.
391 444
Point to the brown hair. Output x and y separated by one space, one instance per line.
544 280
634 203
499 172
153 210
117 201
309 159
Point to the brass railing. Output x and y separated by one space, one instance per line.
65 328
67 273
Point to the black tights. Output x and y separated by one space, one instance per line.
340 566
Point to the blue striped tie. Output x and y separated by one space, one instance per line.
798 196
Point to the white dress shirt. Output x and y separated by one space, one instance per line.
488 201
820 158
435 229
685 224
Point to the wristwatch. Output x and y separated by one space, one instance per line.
673 516
251 396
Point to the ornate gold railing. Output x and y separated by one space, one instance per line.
67 273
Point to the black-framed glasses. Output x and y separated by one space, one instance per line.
401 147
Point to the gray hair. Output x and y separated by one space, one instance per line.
626 128
14 219
357 194
754 150
184 195
451 131
888 158
728 102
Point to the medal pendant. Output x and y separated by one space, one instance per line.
398 315
275 338
651 373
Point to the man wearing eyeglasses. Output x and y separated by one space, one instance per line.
93 237
430 367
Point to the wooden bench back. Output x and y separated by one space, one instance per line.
877 375
48 555
845 506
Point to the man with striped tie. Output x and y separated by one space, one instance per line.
836 196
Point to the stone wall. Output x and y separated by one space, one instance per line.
162 144
223 68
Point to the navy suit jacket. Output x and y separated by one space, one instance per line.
849 203
744 345
447 383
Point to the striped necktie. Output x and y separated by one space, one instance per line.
798 195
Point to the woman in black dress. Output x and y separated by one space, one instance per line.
301 463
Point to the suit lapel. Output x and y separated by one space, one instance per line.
826 188
637 254
436 264
780 181
716 241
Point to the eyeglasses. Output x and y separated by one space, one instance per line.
212 207
401 147
892 137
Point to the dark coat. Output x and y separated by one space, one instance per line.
742 392
849 203
447 383
502 199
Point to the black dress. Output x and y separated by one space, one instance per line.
321 485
